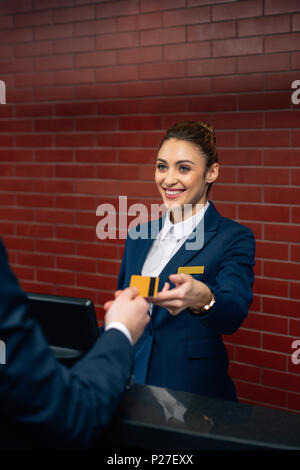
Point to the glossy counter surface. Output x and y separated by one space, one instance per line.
157 418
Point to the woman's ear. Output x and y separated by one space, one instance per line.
212 173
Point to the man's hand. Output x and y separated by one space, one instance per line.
129 309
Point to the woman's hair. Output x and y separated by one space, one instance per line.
198 133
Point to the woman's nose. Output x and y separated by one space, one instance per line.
170 178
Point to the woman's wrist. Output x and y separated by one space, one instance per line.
207 301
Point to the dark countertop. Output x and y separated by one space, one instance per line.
158 418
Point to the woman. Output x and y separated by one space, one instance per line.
205 268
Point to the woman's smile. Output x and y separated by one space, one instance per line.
173 193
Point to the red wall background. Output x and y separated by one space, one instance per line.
91 88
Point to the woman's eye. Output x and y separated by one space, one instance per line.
184 168
161 166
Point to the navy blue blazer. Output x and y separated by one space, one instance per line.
186 352
42 403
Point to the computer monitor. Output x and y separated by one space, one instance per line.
68 323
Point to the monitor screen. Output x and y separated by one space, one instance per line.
68 323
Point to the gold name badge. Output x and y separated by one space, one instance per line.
190 269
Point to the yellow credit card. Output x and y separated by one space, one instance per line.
190 269
146 285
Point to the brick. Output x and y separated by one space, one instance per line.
264 213
54 62
282 42
210 67
247 8
279 343
76 264
75 171
261 322
237 193
15 35
16 155
264 25
106 90
272 287
34 230
34 171
185 51
235 84
158 5
263 63
151 139
6 52
98 250
293 401
76 109
53 32
117 74
109 267
14 214
237 120
6 140
226 139
20 65
282 195
281 119
162 36
287 307
280 81
278 6
185 86
36 259
55 216
296 177
261 358
212 103
295 290
265 101
33 19
96 187
87 28
32 200
163 105
6 22
284 157
140 55
74 14
186 16
136 156
61 46
75 140
264 176
208 31
295 328
232 47
296 141
53 186
96 155
53 125
97 281
140 123
295 253
47 4
289 233
118 140
32 49
76 202
296 215
263 139
53 155
142 89
33 80
117 8
139 22
96 124
69 77
165 70
41 140
75 233
142 189
296 22
117 40
53 94
56 277
128 172
282 270
20 96
246 337
16 125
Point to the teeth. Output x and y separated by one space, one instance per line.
172 193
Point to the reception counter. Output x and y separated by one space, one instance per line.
157 418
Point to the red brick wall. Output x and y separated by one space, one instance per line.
91 87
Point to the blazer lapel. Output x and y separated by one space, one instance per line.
207 229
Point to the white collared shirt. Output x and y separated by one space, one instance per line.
169 240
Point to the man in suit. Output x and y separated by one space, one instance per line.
42 403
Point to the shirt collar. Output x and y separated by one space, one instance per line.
184 228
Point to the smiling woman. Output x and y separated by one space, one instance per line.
204 292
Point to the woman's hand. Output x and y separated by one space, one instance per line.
187 293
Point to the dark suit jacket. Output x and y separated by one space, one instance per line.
186 352
42 403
